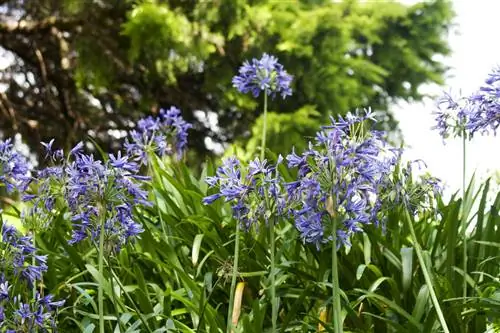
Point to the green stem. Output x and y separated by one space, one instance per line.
274 304
264 129
100 291
233 278
34 264
464 219
426 273
337 307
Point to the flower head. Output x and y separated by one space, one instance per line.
264 74
95 192
341 175
20 258
14 168
164 135
252 190
479 112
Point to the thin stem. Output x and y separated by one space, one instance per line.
264 129
426 273
34 263
337 307
233 278
274 304
464 219
100 291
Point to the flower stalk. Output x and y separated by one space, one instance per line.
336 305
464 218
100 290
233 277
264 130
425 271
274 304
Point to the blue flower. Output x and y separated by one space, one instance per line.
95 192
166 134
479 112
96 189
22 270
14 168
264 74
342 175
252 190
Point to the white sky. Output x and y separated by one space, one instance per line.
475 50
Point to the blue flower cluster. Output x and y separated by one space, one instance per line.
342 175
255 191
21 269
164 135
479 112
264 74
345 174
14 168
95 192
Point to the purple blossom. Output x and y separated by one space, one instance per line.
95 193
95 190
479 112
166 134
14 168
252 190
342 174
22 260
22 270
264 74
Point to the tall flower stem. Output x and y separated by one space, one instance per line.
264 129
425 271
337 307
464 218
274 305
34 263
100 290
233 278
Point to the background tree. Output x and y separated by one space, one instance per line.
89 67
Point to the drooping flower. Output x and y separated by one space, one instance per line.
14 168
341 175
253 190
264 74
163 135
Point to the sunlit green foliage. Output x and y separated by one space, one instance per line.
97 66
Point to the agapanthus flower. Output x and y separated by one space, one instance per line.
254 191
20 258
467 115
20 314
96 189
264 74
165 134
341 175
95 192
22 269
14 168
